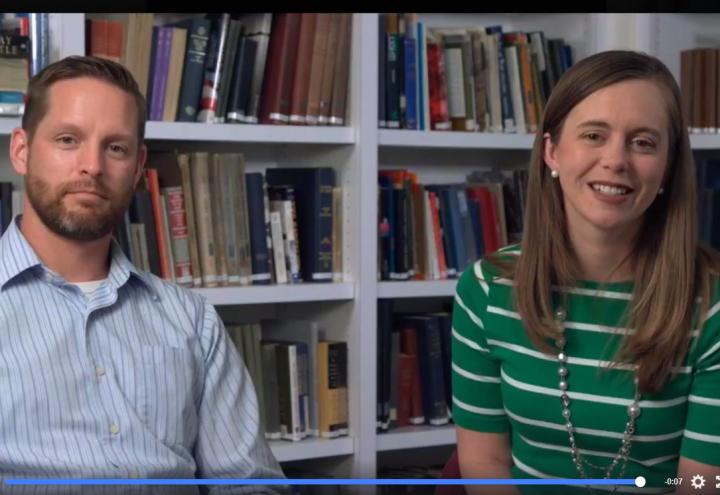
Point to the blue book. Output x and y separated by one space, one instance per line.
566 56
457 235
382 67
260 255
508 115
421 68
411 78
193 69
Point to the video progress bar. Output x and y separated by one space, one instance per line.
639 481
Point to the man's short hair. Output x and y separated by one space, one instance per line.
36 104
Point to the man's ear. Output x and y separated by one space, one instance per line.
549 151
142 158
19 147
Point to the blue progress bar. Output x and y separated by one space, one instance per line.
323 481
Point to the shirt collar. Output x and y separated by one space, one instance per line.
17 256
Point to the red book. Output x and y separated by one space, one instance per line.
409 347
437 86
155 198
280 69
301 77
488 217
405 387
437 232
98 37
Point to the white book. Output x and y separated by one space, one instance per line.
493 83
278 249
429 240
511 56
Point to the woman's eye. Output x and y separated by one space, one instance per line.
644 144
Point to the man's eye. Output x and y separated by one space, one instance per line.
116 148
66 140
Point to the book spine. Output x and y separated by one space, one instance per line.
411 87
193 70
342 73
162 242
393 80
175 204
261 34
382 69
301 78
213 71
278 248
258 237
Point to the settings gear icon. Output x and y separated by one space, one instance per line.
697 481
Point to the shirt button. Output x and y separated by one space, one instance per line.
99 370
114 429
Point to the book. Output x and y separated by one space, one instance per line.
270 391
204 218
261 273
198 33
242 79
313 193
332 388
301 76
163 243
342 72
14 73
326 86
317 60
174 74
280 69
231 47
282 200
257 28
290 403
213 69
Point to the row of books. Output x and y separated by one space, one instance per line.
413 384
198 219
24 51
700 88
469 79
286 68
434 232
708 179
300 378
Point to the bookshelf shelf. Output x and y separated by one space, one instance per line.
173 131
7 124
705 141
454 139
412 437
311 448
420 288
226 296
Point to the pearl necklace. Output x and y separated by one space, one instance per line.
633 412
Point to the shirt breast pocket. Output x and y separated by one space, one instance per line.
167 393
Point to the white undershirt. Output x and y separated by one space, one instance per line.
89 287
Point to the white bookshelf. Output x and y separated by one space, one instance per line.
7 124
357 152
264 294
416 288
403 138
311 448
243 133
412 437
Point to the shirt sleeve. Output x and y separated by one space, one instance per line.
701 440
231 441
477 401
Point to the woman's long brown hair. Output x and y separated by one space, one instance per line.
671 267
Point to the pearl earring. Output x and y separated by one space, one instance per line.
660 191
554 174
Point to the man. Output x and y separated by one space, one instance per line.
107 371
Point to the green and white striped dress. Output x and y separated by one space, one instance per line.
501 383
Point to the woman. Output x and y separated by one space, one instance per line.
578 354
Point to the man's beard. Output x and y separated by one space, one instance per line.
80 223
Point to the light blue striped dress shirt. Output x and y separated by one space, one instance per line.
140 379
